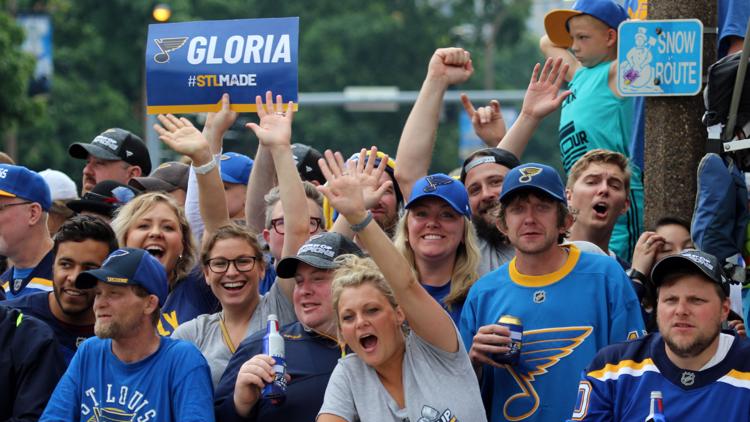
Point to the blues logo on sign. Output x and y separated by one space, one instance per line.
189 65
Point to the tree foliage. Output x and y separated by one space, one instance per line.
99 65
16 69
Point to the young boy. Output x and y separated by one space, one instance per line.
595 115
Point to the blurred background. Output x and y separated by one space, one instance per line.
70 69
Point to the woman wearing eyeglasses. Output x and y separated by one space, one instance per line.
231 257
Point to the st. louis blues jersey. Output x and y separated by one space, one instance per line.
617 385
567 317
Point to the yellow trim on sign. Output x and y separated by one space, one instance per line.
205 108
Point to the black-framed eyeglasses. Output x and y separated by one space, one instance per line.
4 206
278 224
243 264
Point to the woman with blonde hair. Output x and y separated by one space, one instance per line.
437 238
423 374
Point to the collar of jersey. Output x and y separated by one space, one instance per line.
545 279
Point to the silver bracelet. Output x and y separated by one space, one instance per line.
356 228
205 168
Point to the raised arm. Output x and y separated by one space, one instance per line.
184 138
426 317
552 51
448 66
542 97
262 179
275 133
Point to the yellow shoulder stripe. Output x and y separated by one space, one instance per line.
625 367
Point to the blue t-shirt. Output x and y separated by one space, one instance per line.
439 293
567 316
617 385
171 385
310 359
19 282
68 336
190 297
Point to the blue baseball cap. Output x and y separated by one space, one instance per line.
556 21
534 176
441 186
235 167
20 182
129 266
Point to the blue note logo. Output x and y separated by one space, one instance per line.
542 349
167 45
527 173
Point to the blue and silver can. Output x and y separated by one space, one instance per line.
516 340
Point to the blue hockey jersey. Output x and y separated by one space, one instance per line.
567 317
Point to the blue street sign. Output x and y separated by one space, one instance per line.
189 65
659 58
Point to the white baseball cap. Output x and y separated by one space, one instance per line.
61 186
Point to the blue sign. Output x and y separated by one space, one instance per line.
659 58
189 65
38 42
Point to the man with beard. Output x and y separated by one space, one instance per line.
699 372
129 372
81 244
483 173
570 304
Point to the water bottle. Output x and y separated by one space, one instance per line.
273 345
657 408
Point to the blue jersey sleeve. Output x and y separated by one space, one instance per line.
192 392
594 403
627 320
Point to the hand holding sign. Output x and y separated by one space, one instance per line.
275 126
183 138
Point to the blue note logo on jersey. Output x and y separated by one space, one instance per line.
527 173
542 349
167 45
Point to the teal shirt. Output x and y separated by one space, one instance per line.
594 117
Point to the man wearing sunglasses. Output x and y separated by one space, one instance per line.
25 200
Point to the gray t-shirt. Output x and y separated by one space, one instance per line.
438 386
205 330
492 258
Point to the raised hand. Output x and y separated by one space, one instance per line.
487 121
275 126
450 65
220 121
543 95
343 189
183 137
369 176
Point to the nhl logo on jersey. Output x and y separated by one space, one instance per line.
540 296
688 378
17 283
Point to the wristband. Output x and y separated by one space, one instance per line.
636 275
205 168
362 224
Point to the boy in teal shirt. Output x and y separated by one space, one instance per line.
595 115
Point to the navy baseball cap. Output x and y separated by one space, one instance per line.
235 168
306 158
115 144
320 251
539 177
20 182
129 266
702 262
556 21
441 186
488 155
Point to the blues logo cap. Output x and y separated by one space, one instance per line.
698 261
534 176
115 144
441 186
320 251
235 168
556 21
20 182
129 267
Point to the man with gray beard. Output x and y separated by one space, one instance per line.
128 372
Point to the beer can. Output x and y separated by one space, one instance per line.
516 340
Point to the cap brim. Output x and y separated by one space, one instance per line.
287 267
505 195
88 279
82 151
669 264
555 24
151 184
427 195
7 194
81 205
